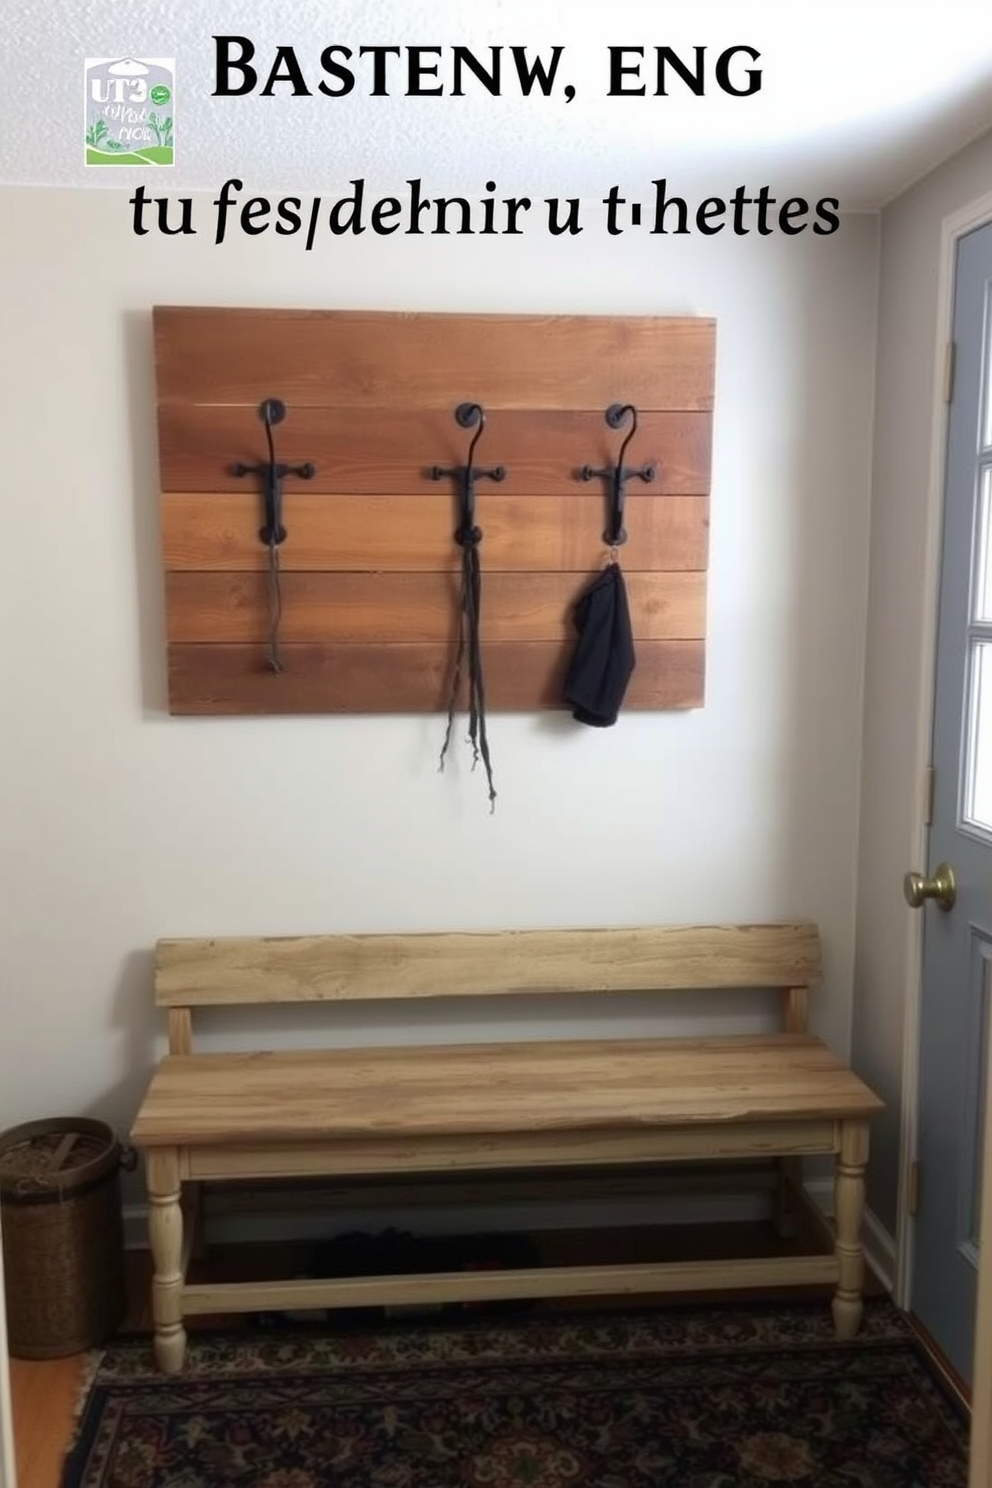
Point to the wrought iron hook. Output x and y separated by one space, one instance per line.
273 411
618 474
272 532
467 416
615 415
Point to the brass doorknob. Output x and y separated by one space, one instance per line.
941 886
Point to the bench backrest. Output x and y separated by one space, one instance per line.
236 972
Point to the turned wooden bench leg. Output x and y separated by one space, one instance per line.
165 1231
849 1208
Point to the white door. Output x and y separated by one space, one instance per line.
955 893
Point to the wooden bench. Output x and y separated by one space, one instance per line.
482 1108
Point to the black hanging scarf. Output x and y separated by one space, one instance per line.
604 658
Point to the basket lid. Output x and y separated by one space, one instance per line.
43 1155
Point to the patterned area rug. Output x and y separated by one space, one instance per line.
692 1398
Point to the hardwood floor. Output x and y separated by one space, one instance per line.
45 1397
46 1394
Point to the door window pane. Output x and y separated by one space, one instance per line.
979 776
983 552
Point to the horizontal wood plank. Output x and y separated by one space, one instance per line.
416 533
487 1089
377 608
522 676
236 970
384 451
435 1287
355 359
473 1153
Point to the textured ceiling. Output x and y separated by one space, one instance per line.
858 97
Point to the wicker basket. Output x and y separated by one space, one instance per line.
63 1236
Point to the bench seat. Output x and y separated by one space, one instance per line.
436 1111
490 1088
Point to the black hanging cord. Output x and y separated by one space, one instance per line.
468 535
273 533
275 576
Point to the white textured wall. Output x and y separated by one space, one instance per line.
120 824
896 662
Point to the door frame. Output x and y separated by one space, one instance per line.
980 1474
7 1473
953 227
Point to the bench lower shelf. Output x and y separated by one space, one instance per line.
173 1226
490 1286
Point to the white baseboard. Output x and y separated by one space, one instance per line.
437 1219
135 1226
821 1191
880 1246
701 1208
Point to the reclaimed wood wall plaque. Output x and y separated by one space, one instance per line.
368 570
